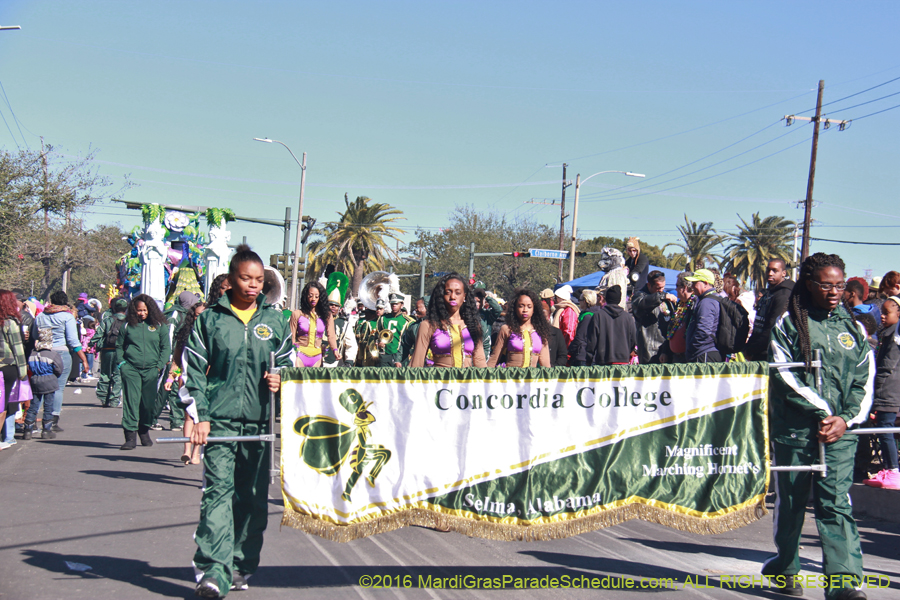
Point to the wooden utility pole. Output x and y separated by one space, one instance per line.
562 220
807 210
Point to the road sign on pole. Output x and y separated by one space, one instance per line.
555 254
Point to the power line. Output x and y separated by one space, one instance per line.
684 132
15 118
869 102
875 113
859 243
852 95
610 196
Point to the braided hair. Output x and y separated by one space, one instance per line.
800 300
538 318
438 314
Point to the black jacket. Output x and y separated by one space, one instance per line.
652 322
637 271
611 336
769 308
558 352
887 377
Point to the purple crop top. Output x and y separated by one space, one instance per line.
517 344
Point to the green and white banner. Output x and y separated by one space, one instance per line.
524 453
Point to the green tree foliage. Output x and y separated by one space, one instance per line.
42 234
755 244
357 243
699 241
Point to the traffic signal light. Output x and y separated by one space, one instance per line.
518 254
580 254
472 279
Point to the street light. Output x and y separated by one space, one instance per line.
294 269
578 183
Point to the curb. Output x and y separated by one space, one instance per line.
875 503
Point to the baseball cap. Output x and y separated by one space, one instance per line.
704 275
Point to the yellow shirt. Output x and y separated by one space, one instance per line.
244 315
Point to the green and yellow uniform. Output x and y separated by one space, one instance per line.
397 325
142 352
797 407
227 357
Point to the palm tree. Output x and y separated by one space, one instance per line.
699 241
356 243
756 243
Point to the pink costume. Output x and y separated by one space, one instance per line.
308 355
454 341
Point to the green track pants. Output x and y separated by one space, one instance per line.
109 388
139 407
834 515
234 510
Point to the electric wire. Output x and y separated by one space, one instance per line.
10 131
852 95
12 112
611 193
875 113
665 137
869 102
705 178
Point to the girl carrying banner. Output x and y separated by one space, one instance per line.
452 327
526 337
227 375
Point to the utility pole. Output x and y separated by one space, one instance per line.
562 220
807 210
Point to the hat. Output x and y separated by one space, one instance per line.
336 288
20 296
546 294
634 242
876 282
564 292
397 298
704 275
187 299
87 318
83 296
45 339
121 303
614 294
894 299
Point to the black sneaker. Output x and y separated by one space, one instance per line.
851 594
238 583
207 588
791 587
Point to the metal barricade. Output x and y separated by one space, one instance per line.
268 438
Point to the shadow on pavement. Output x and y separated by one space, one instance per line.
81 443
135 572
149 477
105 425
131 457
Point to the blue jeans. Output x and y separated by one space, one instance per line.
90 359
886 441
9 427
47 400
63 378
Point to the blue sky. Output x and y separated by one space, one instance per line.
428 105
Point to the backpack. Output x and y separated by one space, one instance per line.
112 336
734 326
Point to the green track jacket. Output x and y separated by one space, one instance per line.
143 347
847 376
226 361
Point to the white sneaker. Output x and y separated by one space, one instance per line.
4 445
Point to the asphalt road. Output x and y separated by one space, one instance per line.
83 519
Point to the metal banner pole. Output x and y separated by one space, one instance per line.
818 356
272 471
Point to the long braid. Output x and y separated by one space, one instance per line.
800 300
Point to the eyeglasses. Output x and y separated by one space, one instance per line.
827 287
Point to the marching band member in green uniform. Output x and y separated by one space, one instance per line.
367 330
227 374
408 341
142 351
336 294
397 323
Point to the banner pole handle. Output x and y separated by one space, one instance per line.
818 355
272 471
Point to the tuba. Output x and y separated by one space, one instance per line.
274 287
376 286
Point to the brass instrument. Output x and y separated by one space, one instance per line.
373 352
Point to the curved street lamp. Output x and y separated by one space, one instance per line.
294 268
578 183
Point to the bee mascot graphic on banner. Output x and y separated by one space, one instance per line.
328 442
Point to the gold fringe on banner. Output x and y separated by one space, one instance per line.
524 533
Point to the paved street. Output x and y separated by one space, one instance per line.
129 517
